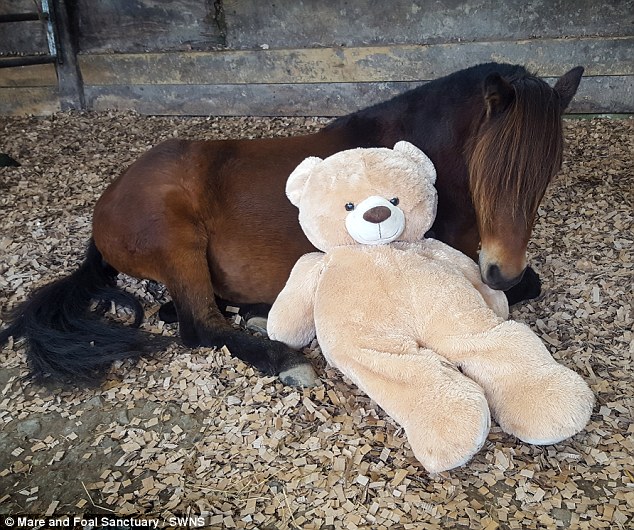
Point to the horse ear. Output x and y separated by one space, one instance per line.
498 94
415 154
566 86
297 179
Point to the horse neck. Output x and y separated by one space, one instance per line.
441 114
424 118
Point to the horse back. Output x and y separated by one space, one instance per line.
226 197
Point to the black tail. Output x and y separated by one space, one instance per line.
66 341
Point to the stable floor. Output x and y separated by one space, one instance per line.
196 431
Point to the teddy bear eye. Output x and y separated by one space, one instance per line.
395 201
349 207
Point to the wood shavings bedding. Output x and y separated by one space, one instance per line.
198 432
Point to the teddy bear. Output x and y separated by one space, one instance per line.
408 319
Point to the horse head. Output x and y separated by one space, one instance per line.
515 153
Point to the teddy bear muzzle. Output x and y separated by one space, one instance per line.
375 221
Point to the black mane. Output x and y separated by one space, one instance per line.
456 86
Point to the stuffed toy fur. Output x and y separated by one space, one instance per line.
408 319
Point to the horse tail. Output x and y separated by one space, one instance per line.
66 340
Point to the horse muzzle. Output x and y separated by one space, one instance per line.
499 271
493 276
500 267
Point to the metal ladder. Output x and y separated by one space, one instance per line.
48 16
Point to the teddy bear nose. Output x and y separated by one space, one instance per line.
378 214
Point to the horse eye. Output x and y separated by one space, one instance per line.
349 207
395 201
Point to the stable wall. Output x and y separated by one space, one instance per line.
325 58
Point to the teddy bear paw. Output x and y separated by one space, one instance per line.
453 440
558 407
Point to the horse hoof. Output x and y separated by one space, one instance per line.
299 375
257 325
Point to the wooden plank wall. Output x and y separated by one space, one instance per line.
28 89
325 58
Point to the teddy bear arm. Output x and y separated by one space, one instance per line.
291 319
496 300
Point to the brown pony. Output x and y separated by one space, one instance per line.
210 218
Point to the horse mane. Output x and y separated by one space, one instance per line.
516 153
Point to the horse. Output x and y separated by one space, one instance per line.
210 219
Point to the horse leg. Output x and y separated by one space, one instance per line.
201 322
254 315
528 288
167 313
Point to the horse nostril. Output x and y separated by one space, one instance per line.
493 275
494 278
378 214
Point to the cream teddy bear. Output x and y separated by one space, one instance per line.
408 319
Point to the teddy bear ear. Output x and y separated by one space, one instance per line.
297 179
415 154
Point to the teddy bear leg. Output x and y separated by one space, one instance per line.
531 395
445 415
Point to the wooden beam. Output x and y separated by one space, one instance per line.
293 24
18 101
71 91
549 57
37 75
610 94
150 25
23 38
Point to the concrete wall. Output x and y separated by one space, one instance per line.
314 57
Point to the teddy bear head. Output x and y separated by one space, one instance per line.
365 196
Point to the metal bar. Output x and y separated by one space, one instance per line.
50 31
19 17
26 61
